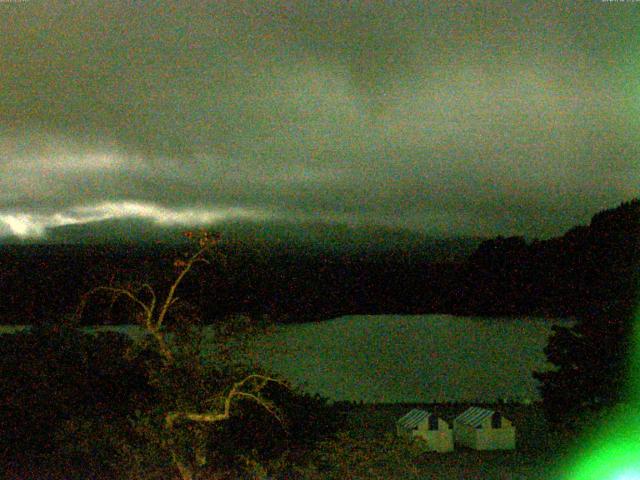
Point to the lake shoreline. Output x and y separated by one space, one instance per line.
380 359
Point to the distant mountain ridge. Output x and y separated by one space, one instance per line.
307 236
315 271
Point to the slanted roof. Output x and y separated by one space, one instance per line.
474 416
413 418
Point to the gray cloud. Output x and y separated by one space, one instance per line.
449 118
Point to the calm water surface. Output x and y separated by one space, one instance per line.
399 358
418 358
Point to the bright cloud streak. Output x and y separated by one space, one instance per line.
165 216
21 225
35 225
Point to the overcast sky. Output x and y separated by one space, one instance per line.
452 118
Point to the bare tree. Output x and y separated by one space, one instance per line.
152 313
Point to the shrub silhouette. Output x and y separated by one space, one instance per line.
54 379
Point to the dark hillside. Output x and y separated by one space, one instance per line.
564 276
288 282
570 275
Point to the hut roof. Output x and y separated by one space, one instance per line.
474 416
413 418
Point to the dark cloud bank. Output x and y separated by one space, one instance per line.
444 118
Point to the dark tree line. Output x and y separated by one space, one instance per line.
593 358
591 274
575 275
566 276
286 284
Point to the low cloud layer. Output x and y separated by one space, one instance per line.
452 119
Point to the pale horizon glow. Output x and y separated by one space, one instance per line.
35 225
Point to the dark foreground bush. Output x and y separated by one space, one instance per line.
306 419
65 393
70 399
252 439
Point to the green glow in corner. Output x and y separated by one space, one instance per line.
634 373
631 475
611 458
612 452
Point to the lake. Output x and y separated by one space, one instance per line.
408 358
416 358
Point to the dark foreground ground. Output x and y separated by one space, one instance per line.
539 453
367 448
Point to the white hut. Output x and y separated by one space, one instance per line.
483 429
435 433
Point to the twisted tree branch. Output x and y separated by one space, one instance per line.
235 392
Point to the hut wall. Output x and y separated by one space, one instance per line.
436 440
440 440
497 439
464 435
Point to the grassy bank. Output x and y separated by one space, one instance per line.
369 449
